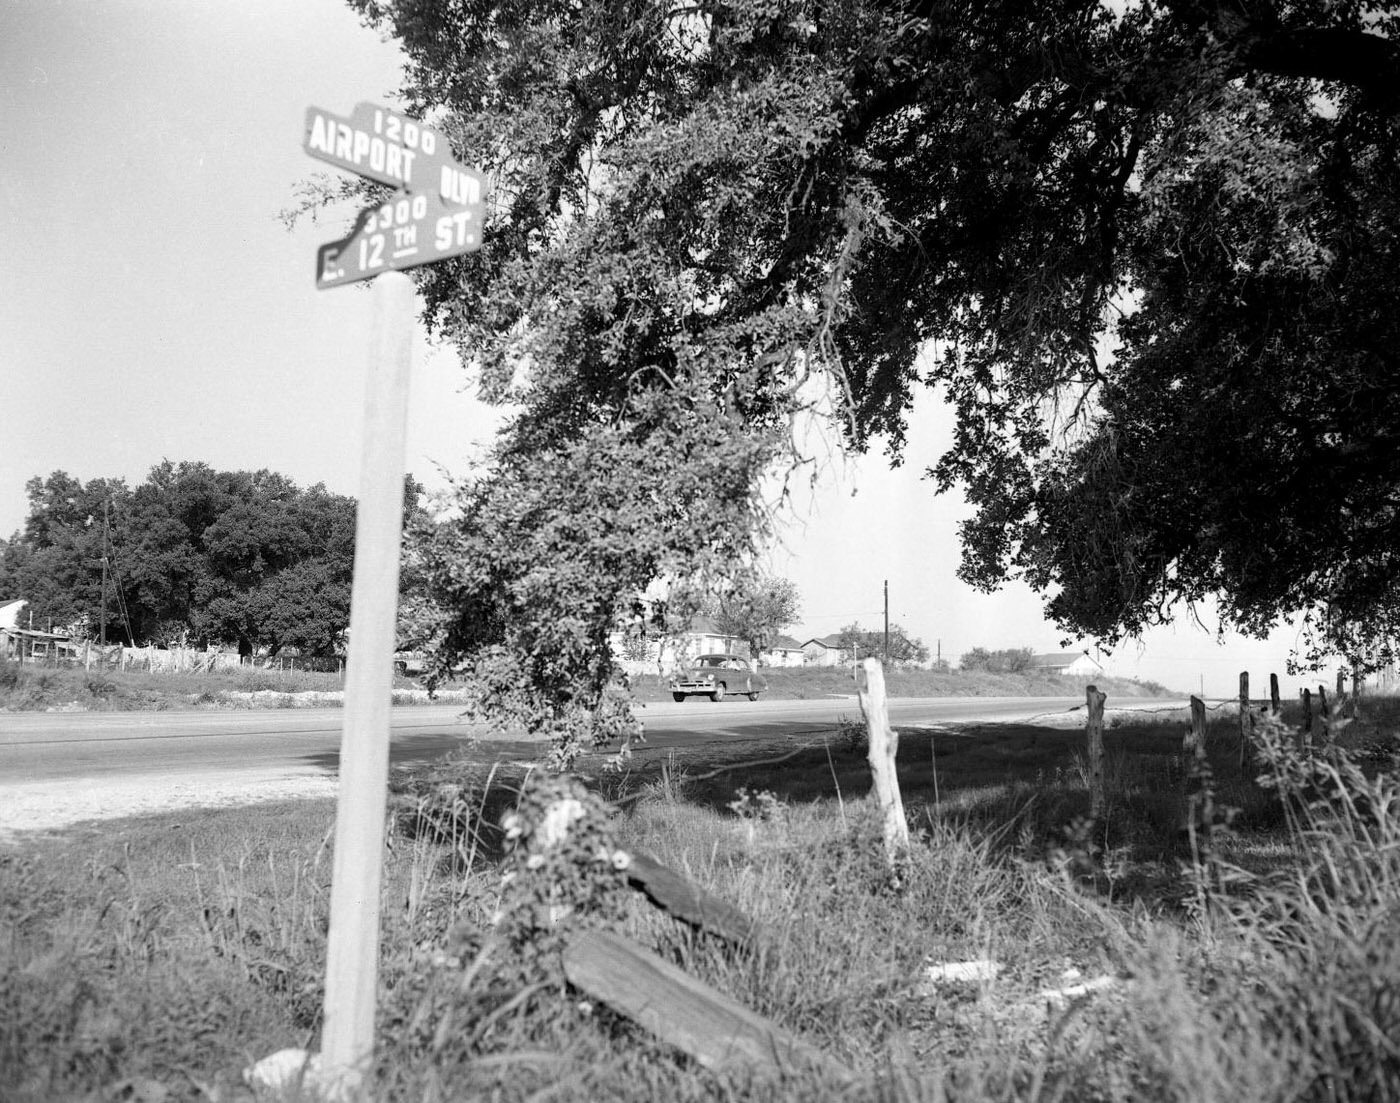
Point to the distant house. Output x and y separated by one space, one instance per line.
1068 664
704 638
26 643
9 613
824 651
785 651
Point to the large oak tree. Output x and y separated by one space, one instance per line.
1152 246
246 558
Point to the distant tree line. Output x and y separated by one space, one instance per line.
195 556
1012 660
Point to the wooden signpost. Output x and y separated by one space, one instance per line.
436 213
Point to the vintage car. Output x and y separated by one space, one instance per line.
713 676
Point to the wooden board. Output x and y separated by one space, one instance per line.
722 1035
685 900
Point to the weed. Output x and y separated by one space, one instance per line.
852 735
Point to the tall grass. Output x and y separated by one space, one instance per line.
1264 968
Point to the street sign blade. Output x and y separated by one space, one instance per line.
392 149
408 230
378 144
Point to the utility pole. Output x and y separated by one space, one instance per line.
887 624
102 605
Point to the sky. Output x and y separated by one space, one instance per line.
154 306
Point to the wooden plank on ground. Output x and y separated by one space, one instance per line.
722 1035
685 900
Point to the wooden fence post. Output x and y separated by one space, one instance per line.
1196 735
1095 700
1273 693
1246 723
1324 716
1305 733
884 743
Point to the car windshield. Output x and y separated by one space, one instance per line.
711 660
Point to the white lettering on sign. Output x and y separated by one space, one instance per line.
455 230
405 209
459 187
410 229
371 252
359 149
404 131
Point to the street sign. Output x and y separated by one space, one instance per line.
392 149
436 213
408 230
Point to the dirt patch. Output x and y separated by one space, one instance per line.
53 805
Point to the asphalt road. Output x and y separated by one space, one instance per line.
82 747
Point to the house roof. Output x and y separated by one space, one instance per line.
832 642
785 643
1062 658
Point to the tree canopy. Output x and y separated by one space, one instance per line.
1148 251
1011 660
862 643
244 558
756 607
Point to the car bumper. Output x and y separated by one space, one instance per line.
692 687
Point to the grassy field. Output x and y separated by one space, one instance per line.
36 688
1252 957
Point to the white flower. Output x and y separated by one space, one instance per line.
621 859
285 1072
534 861
557 818
511 822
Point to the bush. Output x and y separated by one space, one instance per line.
1018 660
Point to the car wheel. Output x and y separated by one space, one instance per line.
718 694
678 697
753 695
